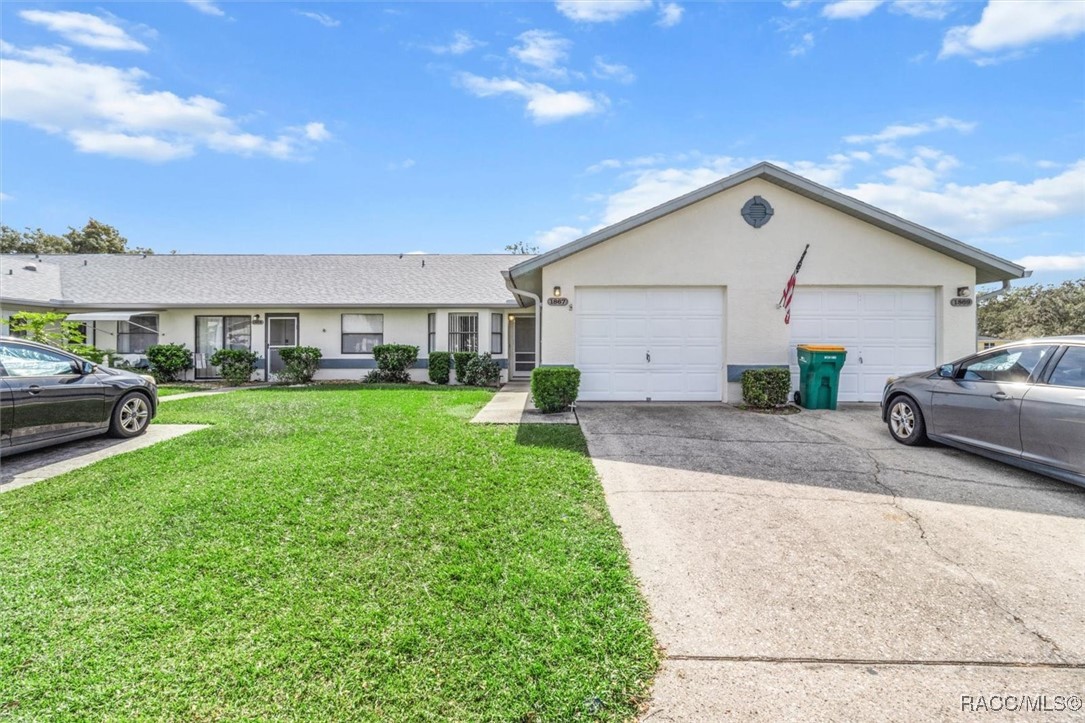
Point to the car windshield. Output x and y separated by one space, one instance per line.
1007 365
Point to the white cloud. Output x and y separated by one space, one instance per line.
600 11
84 29
5 197
899 130
207 7
326 20
108 110
403 165
670 14
557 236
925 9
806 42
1057 262
1007 26
461 43
612 71
542 50
653 187
849 9
544 104
981 208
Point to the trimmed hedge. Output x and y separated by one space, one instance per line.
554 389
168 361
393 361
483 371
766 388
299 363
462 359
440 364
236 365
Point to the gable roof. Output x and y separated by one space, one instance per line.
125 281
988 266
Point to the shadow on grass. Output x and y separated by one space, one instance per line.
362 386
565 437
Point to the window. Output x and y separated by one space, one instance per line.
219 332
25 361
432 326
1008 365
463 332
1070 371
136 334
362 332
989 345
497 340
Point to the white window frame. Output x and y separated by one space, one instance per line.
377 338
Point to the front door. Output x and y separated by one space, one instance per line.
523 346
282 331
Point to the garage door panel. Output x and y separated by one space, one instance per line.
681 328
893 331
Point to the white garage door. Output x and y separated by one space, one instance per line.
888 332
658 343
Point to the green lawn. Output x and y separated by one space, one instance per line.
328 553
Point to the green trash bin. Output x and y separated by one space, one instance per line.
819 374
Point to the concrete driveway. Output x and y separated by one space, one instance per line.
810 568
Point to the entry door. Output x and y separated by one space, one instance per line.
282 331
887 332
523 346
649 343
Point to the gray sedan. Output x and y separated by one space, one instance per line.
1021 403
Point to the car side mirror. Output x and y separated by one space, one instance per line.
946 371
87 368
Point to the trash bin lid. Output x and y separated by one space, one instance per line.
821 347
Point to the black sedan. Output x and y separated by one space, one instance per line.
1021 403
48 396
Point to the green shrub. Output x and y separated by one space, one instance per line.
766 388
440 363
299 364
169 361
554 389
483 371
235 365
393 361
462 359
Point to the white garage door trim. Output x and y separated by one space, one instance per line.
663 343
888 331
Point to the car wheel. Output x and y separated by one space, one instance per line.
906 421
131 416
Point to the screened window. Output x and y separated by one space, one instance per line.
432 326
362 332
463 332
136 334
497 340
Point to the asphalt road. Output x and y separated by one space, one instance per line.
809 568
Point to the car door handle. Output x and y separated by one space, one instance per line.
648 356
1001 396
33 389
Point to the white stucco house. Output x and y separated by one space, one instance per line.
671 304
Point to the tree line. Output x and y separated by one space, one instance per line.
94 238
1035 310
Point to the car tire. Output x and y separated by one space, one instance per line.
131 416
906 421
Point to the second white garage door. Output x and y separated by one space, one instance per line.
888 332
658 343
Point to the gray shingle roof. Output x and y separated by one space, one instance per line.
130 281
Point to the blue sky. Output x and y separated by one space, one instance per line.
207 127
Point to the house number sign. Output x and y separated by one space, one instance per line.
958 301
557 301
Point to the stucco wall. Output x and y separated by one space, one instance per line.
322 328
709 244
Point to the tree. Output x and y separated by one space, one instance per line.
522 248
1035 310
94 238
51 328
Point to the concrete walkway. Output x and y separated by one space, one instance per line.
512 405
209 392
29 467
809 568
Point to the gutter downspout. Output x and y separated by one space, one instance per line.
538 316
1001 291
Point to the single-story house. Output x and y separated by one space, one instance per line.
671 304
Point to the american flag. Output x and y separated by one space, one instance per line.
789 289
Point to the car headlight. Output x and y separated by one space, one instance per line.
149 378
890 380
